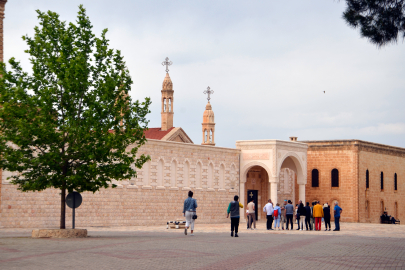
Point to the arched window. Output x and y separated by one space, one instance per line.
205 136
367 179
367 209
198 176
145 173
396 210
164 104
186 174
210 175
382 207
335 178
315 178
210 135
170 104
232 177
173 174
160 173
382 181
221 176
395 182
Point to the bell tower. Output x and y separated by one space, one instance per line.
167 99
208 124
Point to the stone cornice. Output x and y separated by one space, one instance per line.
356 145
191 147
269 144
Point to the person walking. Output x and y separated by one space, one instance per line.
308 214
251 214
277 216
337 211
326 215
297 216
289 213
302 212
189 211
268 208
318 215
283 218
233 209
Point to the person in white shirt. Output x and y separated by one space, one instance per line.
268 208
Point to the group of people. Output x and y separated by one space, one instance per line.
309 216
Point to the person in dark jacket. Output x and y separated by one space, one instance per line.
302 212
289 213
308 217
326 215
233 210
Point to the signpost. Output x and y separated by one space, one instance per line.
73 200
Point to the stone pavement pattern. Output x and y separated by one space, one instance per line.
210 248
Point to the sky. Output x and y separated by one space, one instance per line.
277 68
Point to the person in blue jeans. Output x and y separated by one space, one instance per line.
337 211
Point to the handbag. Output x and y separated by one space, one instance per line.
194 216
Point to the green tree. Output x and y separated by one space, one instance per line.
380 21
70 123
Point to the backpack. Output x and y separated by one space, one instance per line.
275 213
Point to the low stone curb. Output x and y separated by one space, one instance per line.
59 233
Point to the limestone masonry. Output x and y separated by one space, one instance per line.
365 178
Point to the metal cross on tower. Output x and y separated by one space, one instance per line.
209 92
167 63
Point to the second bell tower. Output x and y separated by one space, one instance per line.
167 99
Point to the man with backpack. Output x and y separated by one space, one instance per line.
268 208
233 209
277 216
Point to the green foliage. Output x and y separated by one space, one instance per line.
380 21
60 124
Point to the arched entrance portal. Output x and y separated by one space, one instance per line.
257 188
291 179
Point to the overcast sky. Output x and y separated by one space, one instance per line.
269 63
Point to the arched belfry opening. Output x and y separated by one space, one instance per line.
257 188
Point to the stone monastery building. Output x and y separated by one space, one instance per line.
365 178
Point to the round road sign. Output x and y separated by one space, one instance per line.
74 199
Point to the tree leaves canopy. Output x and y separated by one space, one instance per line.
380 21
60 125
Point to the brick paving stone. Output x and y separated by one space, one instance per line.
358 246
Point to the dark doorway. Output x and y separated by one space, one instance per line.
252 194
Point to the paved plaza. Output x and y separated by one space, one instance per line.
357 246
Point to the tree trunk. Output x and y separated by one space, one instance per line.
63 208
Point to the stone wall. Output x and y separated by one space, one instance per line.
326 156
153 198
353 158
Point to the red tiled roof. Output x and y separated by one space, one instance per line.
156 133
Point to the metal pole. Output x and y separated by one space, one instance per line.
73 215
